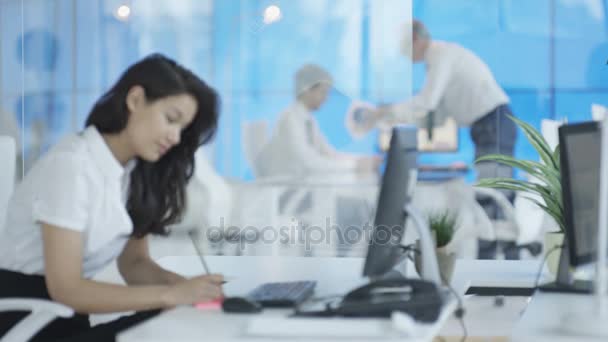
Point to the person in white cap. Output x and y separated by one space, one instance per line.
297 146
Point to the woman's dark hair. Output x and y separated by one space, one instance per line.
157 192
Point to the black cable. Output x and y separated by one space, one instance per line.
542 264
409 248
459 313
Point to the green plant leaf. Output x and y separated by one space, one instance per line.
548 194
545 189
534 168
553 203
547 172
557 157
538 170
443 224
514 184
557 215
538 142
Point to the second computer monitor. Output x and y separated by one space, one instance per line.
580 149
398 182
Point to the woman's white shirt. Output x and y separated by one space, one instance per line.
77 185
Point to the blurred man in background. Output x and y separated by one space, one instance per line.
459 85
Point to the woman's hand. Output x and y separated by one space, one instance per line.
198 289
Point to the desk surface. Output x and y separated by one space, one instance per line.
544 318
333 275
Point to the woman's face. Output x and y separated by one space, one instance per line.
155 127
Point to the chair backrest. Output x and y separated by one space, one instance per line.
255 136
7 174
598 112
549 129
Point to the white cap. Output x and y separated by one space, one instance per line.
310 75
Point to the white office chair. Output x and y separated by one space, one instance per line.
459 198
254 136
598 111
214 202
42 311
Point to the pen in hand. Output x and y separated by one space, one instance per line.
193 235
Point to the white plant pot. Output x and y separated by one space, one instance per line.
553 239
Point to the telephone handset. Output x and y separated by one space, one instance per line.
419 298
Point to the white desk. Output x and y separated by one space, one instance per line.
542 320
333 276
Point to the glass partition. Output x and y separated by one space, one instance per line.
58 56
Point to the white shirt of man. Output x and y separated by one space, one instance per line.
299 148
458 84
78 185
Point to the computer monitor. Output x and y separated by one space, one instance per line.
444 138
580 148
398 182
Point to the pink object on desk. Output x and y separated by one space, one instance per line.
214 304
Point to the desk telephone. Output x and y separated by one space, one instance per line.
419 298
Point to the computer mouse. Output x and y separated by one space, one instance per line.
240 305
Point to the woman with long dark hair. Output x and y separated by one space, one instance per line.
97 195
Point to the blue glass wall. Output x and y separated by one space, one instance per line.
57 57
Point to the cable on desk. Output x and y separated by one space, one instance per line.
542 264
369 211
459 313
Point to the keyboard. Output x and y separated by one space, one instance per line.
283 294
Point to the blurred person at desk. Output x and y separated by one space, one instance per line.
299 151
297 146
461 86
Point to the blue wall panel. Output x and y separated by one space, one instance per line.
549 55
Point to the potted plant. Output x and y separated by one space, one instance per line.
443 226
546 191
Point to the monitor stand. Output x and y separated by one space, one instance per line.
564 281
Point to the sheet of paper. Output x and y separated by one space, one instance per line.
360 119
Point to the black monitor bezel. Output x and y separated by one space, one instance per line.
576 259
403 140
